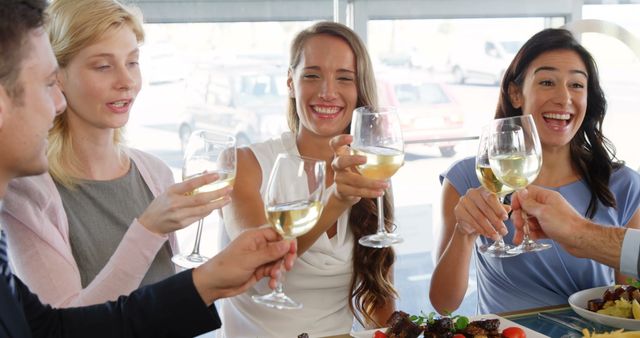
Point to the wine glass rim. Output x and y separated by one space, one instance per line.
284 155
382 109
215 134
528 116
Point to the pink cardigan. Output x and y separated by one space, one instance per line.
38 233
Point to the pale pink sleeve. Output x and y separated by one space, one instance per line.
37 229
158 177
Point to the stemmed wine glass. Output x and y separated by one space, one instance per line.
515 156
293 204
207 152
490 182
377 135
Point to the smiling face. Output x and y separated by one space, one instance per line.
324 86
554 91
102 81
26 120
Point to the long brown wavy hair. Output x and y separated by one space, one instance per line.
371 286
591 152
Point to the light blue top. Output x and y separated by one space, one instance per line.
548 277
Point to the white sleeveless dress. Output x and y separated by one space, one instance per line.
320 278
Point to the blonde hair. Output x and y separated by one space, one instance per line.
371 285
74 25
365 80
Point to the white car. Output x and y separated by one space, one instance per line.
482 60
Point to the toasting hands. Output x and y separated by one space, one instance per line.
480 212
549 216
350 186
254 254
177 207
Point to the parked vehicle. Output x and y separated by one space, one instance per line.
428 113
247 101
482 60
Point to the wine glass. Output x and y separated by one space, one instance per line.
515 156
377 135
207 152
490 182
293 204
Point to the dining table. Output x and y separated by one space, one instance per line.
552 321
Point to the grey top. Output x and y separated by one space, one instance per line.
99 214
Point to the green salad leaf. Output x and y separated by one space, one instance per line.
459 322
633 282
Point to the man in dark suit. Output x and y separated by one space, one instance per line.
180 306
551 216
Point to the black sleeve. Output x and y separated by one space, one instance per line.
171 308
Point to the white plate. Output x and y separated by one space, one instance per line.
367 334
504 323
578 302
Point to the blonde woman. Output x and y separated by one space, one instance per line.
330 75
96 226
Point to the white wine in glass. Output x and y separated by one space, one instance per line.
382 162
207 152
517 170
293 204
294 219
490 182
377 136
515 155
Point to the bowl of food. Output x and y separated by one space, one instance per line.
582 301
401 324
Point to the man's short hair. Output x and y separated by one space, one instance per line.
17 19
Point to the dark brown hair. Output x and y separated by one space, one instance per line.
592 153
371 286
17 19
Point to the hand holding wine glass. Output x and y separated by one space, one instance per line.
349 185
174 209
207 152
377 136
515 155
293 204
490 182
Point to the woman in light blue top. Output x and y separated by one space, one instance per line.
554 79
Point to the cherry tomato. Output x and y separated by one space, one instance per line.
458 335
379 334
513 332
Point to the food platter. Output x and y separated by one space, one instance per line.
578 302
504 323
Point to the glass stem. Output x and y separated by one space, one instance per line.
279 290
381 228
499 243
196 246
525 228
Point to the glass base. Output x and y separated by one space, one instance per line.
380 240
498 251
529 246
189 261
277 300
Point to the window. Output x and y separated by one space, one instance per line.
439 62
229 77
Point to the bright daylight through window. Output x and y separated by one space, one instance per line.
442 73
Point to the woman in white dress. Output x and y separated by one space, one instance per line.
330 75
